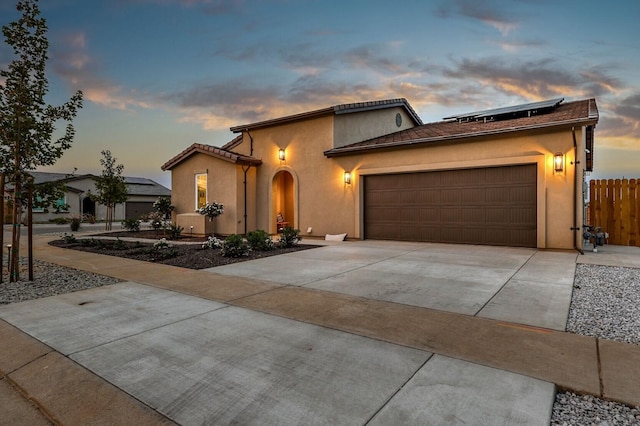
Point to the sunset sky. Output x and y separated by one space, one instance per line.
158 75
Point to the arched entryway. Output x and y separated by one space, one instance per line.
88 207
283 190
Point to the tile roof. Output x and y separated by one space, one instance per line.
213 151
233 143
337 110
570 113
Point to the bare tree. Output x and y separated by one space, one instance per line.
27 122
110 186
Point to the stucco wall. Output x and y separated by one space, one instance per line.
323 202
555 190
222 186
357 127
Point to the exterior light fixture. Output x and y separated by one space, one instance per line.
281 154
347 178
558 162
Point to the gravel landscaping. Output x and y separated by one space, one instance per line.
49 280
605 304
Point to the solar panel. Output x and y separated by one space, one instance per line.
137 180
530 108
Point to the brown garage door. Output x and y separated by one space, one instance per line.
135 209
494 205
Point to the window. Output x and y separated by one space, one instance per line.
60 205
201 190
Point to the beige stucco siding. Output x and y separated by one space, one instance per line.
314 176
222 182
555 190
309 188
358 127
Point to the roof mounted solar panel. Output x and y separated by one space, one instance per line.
510 111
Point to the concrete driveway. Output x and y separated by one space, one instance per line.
199 361
511 284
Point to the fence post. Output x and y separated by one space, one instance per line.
633 213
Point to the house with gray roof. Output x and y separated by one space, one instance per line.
142 192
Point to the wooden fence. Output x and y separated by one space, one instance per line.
614 205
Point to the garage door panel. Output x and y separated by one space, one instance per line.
495 205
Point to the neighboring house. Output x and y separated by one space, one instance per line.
142 194
511 176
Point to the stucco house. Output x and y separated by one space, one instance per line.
509 176
142 193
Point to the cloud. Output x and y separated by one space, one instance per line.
371 57
485 12
534 80
209 7
629 108
620 122
71 62
514 46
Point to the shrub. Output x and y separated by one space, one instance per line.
59 220
163 206
132 225
211 210
289 237
173 231
161 245
156 220
260 240
120 245
92 242
89 218
68 238
74 222
212 242
162 250
234 246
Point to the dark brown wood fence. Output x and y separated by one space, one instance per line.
615 206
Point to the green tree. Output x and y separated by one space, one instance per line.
164 207
110 186
27 122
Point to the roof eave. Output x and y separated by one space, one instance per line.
337 152
244 161
334 110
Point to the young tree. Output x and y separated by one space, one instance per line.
27 122
110 186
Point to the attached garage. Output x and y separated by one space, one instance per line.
491 205
136 209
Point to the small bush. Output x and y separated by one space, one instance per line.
289 237
234 246
89 218
92 242
59 220
260 240
132 225
162 250
164 207
120 245
173 232
156 220
68 238
212 242
74 223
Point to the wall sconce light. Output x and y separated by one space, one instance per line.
281 154
558 162
347 178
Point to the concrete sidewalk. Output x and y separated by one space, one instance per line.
257 351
